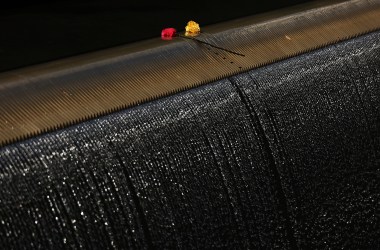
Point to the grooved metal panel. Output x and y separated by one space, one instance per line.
56 95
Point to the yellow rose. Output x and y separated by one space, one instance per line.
192 29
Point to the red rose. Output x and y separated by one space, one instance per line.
168 33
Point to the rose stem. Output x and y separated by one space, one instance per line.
209 44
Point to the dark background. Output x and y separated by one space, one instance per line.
38 31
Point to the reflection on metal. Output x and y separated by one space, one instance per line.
46 97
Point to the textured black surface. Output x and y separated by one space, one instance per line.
285 156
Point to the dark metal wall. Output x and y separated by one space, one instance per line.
285 156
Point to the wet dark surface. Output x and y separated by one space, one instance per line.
285 156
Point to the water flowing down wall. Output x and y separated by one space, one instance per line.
284 156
